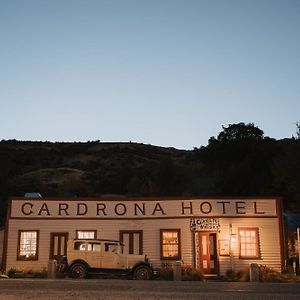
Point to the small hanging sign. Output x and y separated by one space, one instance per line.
204 224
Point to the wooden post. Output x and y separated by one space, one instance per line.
254 273
51 272
177 271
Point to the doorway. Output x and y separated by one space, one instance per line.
58 245
133 240
206 252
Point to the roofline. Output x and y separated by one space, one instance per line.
151 198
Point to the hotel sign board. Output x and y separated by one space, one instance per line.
123 208
207 224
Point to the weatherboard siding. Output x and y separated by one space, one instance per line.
105 229
149 215
109 229
269 244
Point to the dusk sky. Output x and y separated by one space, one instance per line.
161 72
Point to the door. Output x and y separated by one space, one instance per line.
58 245
207 248
112 258
133 241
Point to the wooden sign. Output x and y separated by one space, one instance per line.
211 224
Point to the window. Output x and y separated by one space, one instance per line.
96 247
28 245
170 243
248 243
86 234
111 247
79 246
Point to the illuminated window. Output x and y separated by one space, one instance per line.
28 245
248 242
170 243
86 234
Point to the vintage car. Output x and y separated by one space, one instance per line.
97 256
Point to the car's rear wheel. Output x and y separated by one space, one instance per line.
142 273
78 270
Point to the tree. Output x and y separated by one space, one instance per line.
298 131
239 160
237 132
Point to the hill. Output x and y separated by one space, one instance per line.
239 167
92 169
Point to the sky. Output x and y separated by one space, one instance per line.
169 73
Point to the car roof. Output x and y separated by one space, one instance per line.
98 240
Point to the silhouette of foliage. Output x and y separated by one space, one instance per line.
298 130
238 132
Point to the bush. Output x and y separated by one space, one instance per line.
241 275
14 273
267 274
165 273
191 274
61 274
230 275
11 272
35 274
188 273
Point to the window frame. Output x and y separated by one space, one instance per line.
257 252
85 230
178 231
36 256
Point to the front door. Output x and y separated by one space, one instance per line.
207 250
58 245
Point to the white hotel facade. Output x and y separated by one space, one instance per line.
213 234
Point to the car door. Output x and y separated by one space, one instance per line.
112 256
94 256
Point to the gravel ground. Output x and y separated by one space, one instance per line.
33 289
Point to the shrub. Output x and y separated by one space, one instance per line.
188 273
267 274
230 275
61 274
11 272
242 275
14 273
165 273
35 274
290 277
191 274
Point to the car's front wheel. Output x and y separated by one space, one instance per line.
142 273
78 270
